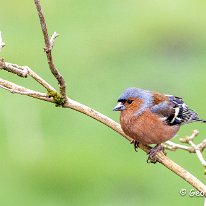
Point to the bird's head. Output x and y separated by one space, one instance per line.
134 99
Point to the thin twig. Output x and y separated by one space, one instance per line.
2 44
53 37
14 88
191 137
189 140
202 145
13 68
24 71
198 152
69 103
48 49
116 127
174 146
193 148
40 80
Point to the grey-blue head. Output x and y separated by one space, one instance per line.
133 92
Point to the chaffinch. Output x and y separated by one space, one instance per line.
151 117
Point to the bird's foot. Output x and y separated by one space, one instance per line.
152 153
135 143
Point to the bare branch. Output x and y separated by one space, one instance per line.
191 137
111 124
160 156
174 146
193 148
48 48
2 44
189 140
53 37
39 79
13 68
202 145
14 88
198 152
24 71
69 103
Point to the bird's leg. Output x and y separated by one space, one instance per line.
135 143
151 154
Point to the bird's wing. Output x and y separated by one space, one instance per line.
174 111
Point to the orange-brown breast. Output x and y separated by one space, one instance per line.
146 128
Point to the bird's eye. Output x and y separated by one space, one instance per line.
130 101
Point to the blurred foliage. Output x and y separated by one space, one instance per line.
52 156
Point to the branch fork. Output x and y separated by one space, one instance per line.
193 148
48 49
51 42
60 99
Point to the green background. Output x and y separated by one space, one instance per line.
52 156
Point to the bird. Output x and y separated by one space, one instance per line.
150 117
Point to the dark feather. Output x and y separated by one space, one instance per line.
175 111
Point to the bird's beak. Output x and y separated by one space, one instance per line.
119 107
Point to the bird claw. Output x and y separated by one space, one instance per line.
152 153
135 143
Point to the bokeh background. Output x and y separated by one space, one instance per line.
56 157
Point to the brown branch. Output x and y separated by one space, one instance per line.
53 37
48 49
69 103
13 68
14 88
202 145
2 44
174 146
40 80
193 148
189 138
160 157
24 71
197 148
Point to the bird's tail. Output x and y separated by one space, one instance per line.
201 120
